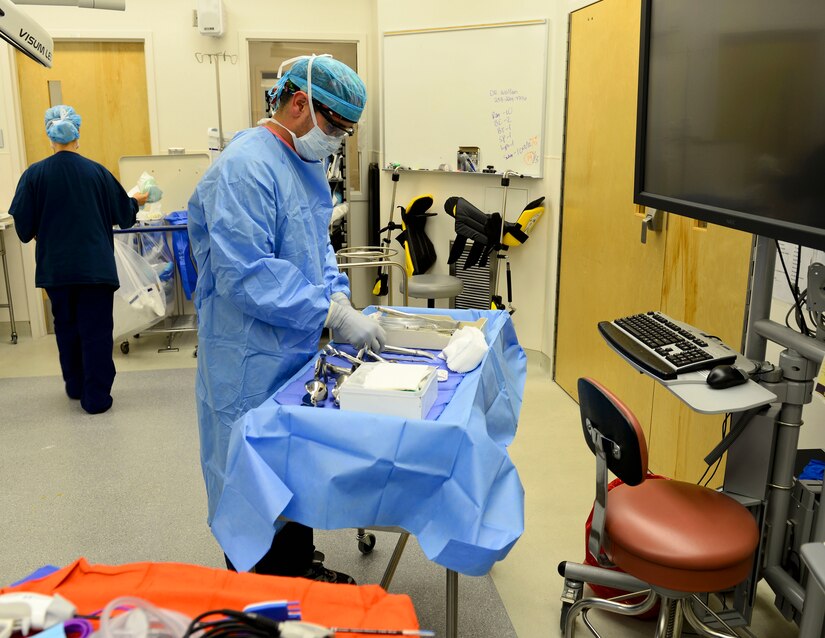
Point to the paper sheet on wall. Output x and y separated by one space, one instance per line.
793 257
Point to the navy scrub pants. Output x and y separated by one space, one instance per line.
291 553
83 327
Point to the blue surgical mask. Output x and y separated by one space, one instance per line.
314 145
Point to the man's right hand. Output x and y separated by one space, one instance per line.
355 328
141 198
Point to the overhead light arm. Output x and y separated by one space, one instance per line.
22 32
114 5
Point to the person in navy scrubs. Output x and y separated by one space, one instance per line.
69 204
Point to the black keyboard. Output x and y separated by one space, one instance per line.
664 347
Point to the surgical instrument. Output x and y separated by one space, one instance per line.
317 387
336 389
409 351
332 350
316 392
376 356
333 370
449 322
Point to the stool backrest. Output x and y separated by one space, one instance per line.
419 252
608 423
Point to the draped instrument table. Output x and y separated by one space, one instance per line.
446 479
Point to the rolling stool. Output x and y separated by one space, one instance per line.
680 538
432 287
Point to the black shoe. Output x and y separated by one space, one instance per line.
74 391
320 573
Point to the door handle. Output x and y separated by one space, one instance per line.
651 221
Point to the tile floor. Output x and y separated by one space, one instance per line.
555 467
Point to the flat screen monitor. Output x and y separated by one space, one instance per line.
731 114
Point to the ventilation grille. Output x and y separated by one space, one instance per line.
477 281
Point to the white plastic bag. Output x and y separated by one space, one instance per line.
139 302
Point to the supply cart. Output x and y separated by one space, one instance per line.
176 320
177 176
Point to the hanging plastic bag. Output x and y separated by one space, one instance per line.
154 248
139 302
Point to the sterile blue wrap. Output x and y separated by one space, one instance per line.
448 481
813 471
183 253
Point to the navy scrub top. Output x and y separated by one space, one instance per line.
69 204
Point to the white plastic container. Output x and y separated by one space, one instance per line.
357 395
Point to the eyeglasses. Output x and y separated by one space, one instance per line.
340 129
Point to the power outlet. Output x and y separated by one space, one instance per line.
195 18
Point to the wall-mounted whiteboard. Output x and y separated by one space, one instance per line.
480 85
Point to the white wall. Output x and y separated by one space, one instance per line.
534 263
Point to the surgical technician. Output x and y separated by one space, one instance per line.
69 204
268 281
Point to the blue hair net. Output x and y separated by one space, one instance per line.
62 124
334 84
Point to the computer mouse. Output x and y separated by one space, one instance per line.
726 376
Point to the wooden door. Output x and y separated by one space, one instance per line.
105 82
694 272
705 284
605 270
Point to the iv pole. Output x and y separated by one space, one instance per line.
497 303
217 57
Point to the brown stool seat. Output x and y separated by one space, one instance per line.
680 536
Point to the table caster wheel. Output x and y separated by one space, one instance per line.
14 337
124 347
366 545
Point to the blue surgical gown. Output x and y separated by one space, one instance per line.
258 222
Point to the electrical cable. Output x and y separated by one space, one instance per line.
803 326
237 624
718 462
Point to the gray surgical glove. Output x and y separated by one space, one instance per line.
341 298
356 329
